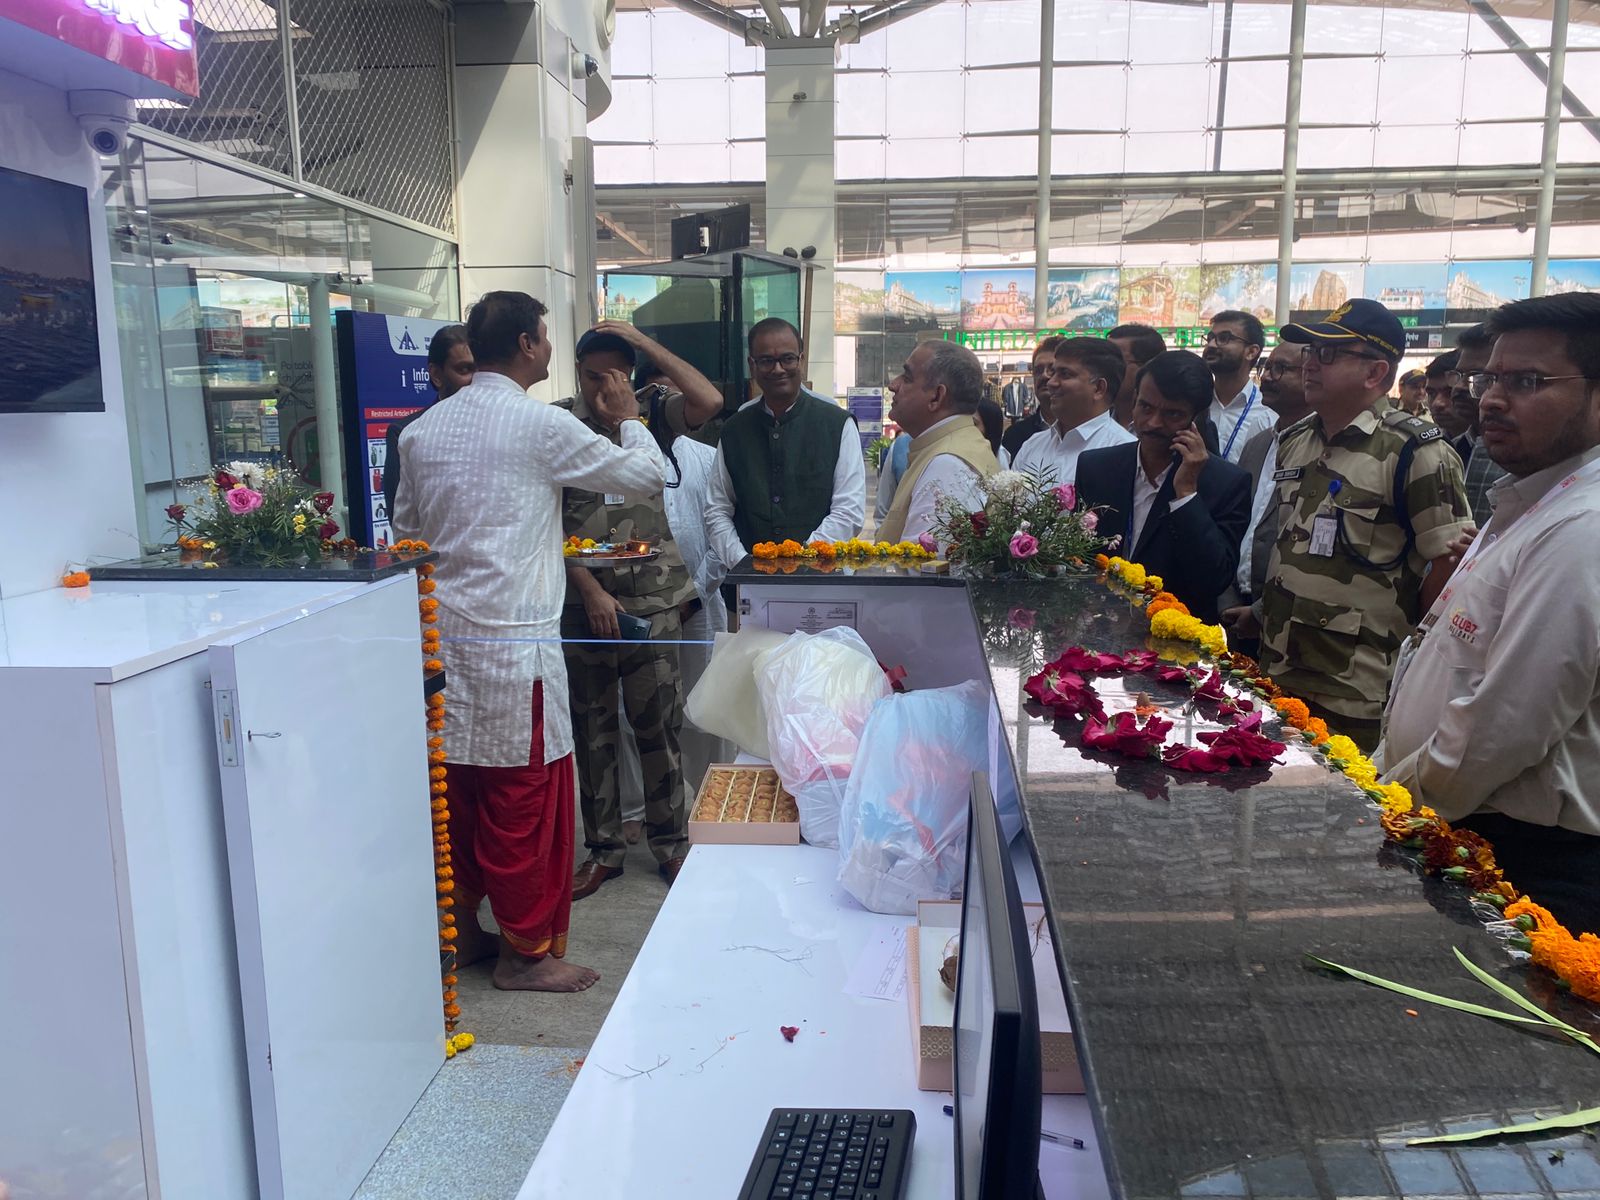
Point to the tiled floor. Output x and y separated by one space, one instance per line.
477 1128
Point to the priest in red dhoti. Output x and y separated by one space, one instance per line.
484 472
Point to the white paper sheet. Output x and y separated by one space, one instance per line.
880 971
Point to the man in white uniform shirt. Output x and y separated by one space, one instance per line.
1087 377
484 472
1494 722
935 395
1232 348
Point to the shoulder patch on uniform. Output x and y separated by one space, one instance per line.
1423 431
1295 430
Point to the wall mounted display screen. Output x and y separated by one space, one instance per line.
49 334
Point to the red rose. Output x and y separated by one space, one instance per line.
327 529
1211 688
323 501
1087 662
980 522
1126 736
175 512
1065 694
1140 660
1191 758
225 481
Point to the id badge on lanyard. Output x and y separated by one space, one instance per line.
1325 527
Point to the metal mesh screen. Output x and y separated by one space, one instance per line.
371 82
243 110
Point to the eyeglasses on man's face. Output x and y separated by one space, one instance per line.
767 362
1516 384
1326 352
1277 368
1221 337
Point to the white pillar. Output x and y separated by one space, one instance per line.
800 192
1041 210
516 115
1547 157
1291 160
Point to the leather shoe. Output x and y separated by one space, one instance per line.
589 878
669 870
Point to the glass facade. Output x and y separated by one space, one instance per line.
1418 161
223 282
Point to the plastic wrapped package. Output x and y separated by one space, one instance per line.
817 691
903 825
725 702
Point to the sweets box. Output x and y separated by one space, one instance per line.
933 1006
743 805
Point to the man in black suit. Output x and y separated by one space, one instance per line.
1180 509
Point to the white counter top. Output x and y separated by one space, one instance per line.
115 630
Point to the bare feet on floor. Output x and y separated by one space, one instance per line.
473 944
518 973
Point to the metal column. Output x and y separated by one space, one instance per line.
1041 212
1552 138
1291 160
330 456
291 100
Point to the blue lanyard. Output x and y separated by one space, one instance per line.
1250 399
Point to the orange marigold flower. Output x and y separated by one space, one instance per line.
426 585
789 548
1101 561
1318 728
824 549
1293 711
75 579
433 664
452 1010
448 934
428 605
449 981
436 773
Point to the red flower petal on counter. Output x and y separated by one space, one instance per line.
788 1031
1212 688
1192 758
1172 675
1140 660
1126 736
1087 662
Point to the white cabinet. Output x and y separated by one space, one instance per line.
127 1072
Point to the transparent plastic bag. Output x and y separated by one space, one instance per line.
903 824
726 702
817 691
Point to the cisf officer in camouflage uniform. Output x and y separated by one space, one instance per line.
1370 500
659 592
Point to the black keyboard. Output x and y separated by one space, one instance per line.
833 1154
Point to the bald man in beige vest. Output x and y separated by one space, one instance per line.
936 396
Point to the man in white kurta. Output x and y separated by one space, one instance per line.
485 470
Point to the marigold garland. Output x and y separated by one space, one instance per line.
855 548
438 787
1457 854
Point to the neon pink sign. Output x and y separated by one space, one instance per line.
153 38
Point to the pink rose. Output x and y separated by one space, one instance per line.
1067 496
1090 520
928 542
1024 545
243 500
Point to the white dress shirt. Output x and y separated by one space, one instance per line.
945 475
843 522
1266 493
1056 453
686 517
1499 708
1239 420
1144 501
484 474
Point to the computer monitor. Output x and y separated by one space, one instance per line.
997 1061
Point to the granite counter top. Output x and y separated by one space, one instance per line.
1219 1061
169 566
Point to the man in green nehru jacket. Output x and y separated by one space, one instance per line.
789 464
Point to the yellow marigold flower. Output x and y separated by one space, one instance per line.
1395 798
1343 748
1153 581
587 543
1213 639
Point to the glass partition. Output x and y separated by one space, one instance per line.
224 283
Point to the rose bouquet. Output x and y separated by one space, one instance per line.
1027 526
256 514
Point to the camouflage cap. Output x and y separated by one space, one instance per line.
1360 319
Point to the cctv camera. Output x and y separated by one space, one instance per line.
590 67
104 117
